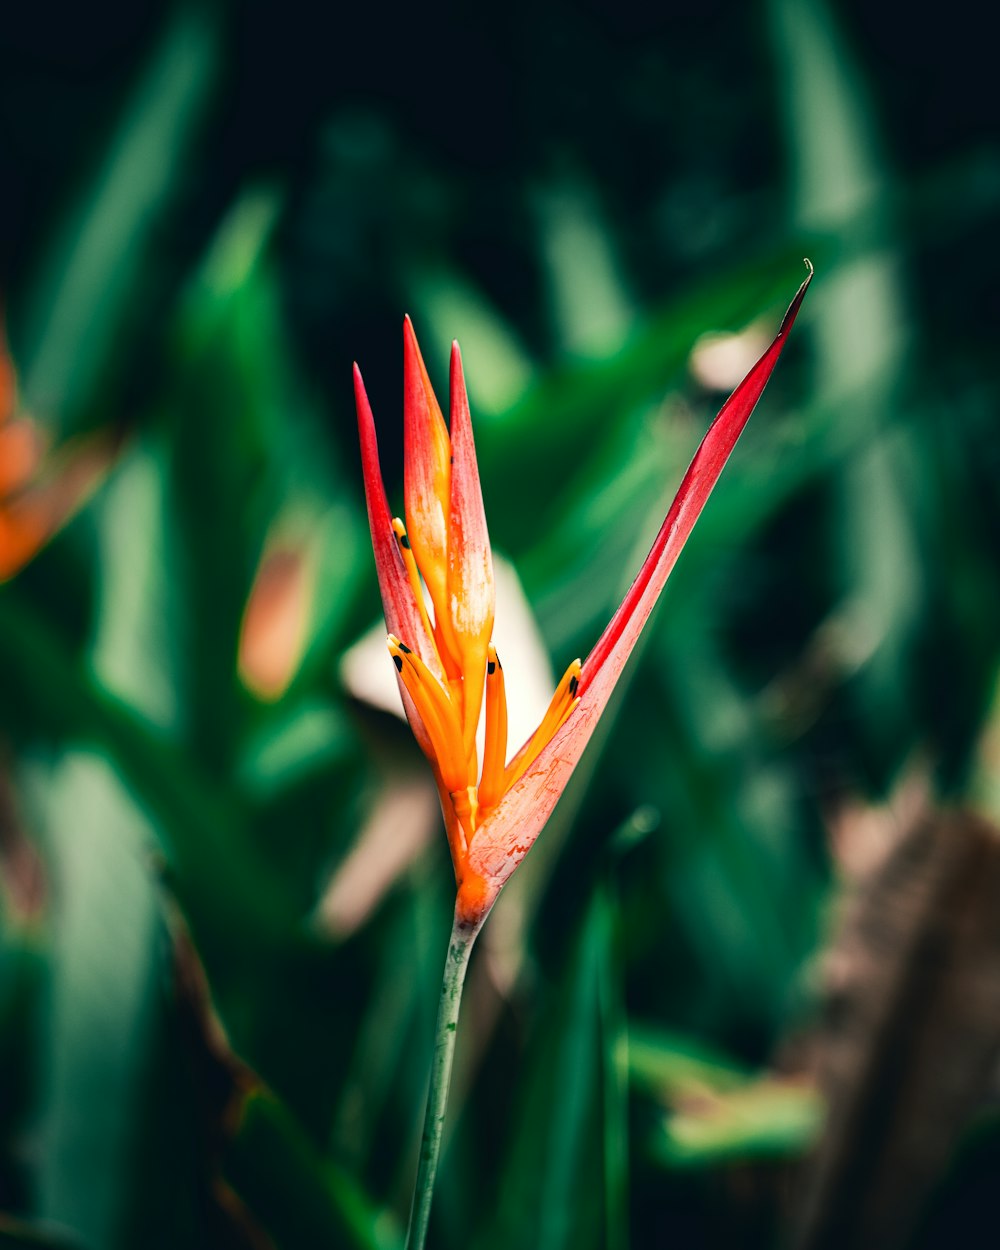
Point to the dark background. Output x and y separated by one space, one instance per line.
207 213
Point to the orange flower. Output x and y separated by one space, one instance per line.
38 492
442 651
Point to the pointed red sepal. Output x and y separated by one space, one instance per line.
471 587
703 472
505 837
402 615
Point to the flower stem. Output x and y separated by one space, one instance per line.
463 935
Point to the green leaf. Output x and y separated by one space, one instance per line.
765 1118
82 307
555 1166
300 1198
563 423
719 1111
200 826
24 1235
672 1064
104 972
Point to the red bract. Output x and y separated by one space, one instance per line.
442 651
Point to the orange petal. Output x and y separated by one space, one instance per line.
427 472
436 712
471 590
509 831
491 786
24 530
564 701
35 512
21 448
276 619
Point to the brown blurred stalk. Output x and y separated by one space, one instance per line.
911 1030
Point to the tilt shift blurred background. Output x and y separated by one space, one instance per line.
746 988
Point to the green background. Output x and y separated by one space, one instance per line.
208 212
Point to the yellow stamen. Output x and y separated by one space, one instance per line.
491 787
563 703
438 631
437 713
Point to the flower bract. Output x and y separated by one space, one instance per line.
435 572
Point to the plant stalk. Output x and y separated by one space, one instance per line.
463 936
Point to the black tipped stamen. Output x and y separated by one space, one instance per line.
491 668
573 684
404 648
398 661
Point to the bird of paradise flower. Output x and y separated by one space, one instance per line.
446 663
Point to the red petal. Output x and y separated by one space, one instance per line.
505 837
402 616
618 639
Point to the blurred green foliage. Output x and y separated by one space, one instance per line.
208 212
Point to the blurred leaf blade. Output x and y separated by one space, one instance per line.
301 1199
764 1119
720 1112
82 305
100 1002
200 824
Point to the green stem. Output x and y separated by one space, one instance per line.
459 949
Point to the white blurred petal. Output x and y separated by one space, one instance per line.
720 361
397 831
